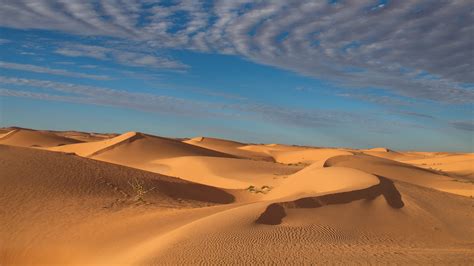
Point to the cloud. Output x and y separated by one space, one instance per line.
124 57
463 125
51 71
249 111
377 99
353 43
415 114
103 96
84 50
4 41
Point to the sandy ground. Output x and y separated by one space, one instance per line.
135 199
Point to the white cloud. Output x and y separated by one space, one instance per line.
4 41
124 57
463 125
51 71
84 50
102 96
303 118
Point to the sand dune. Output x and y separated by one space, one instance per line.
224 172
172 157
33 138
134 146
213 201
85 136
140 147
457 164
391 154
402 172
360 231
307 156
90 148
313 181
229 147
42 206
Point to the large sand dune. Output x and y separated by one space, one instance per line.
43 204
230 147
32 138
214 201
225 172
404 172
456 164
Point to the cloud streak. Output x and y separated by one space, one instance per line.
103 96
50 71
124 57
464 125
85 94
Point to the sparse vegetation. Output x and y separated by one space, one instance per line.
139 190
298 164
264 189
138 187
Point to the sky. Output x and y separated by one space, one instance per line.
336 73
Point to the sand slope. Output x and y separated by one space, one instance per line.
224 172
33 138
455 164
85 136
135 146
307 156
140 148
43 206
315 180
357 232
228 147
402 172
175 158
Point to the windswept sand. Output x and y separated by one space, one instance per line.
67 198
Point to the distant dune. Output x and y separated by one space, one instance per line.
229 147
136 199
31 138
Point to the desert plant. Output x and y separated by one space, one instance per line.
263 189
251 188
138 187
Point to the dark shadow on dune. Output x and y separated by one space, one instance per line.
390 193
193 191
272 215
275 212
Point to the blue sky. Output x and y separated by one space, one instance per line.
324 73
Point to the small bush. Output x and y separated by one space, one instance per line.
263 189
138 187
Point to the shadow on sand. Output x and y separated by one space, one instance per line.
275 212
